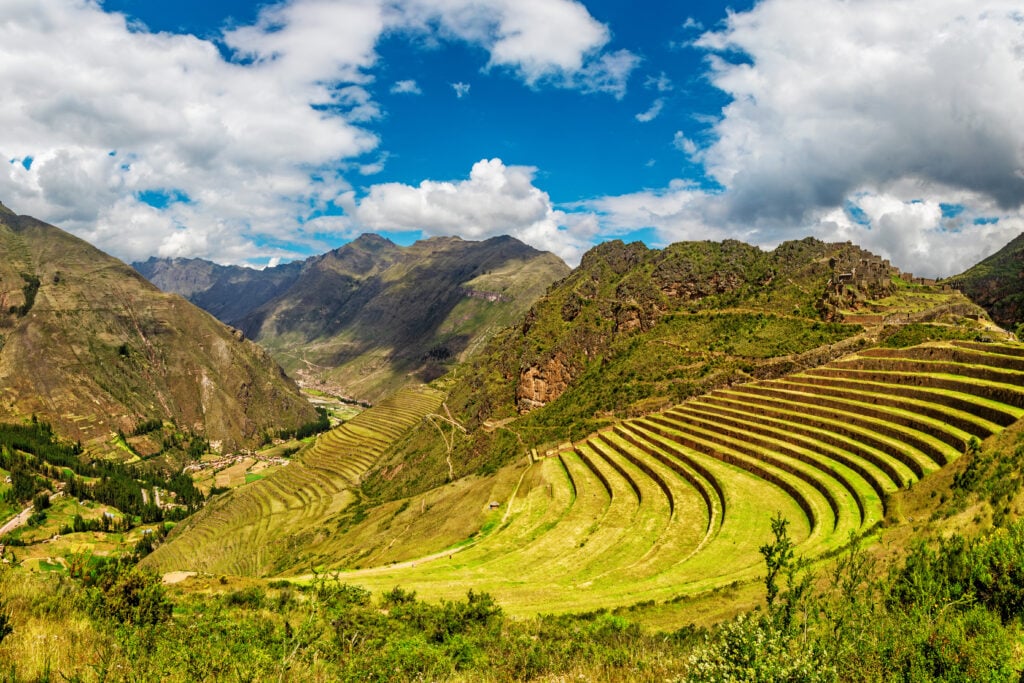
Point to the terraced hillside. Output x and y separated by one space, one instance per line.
264 524
678 502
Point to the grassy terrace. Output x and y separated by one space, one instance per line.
257 527
677 502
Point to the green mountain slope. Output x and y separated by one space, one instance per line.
634 330
997 284
91 347
663 309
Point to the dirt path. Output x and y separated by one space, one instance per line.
17 521
176 577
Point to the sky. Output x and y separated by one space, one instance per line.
260 132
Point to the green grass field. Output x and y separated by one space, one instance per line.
677 503
652 509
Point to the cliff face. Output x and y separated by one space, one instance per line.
542 383
91 347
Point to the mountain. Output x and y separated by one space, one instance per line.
626 291
93 348
997 284
228 292
370 316
634 330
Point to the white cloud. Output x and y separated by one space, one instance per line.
495 200
244 148
374 167
544 41
661 83
684 144
608 74
461 89
679 212
652 112
409 87
895 107
840 95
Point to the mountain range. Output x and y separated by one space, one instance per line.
368 317
620 437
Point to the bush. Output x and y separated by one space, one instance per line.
130 595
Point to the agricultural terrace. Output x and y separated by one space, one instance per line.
258 527
678 502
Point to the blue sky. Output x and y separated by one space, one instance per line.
250 132
585 145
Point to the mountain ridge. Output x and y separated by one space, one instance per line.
997 283
367 317
92 347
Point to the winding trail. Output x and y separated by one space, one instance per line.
17 520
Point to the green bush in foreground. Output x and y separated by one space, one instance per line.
948 613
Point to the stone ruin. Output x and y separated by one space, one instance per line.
856 278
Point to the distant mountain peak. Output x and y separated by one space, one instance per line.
372 239
371 314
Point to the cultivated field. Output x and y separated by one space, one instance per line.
679 502
260 527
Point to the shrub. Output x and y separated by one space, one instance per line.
249 598
130 595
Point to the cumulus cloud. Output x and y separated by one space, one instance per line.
895 108
495 200
461 89
840 95
409 87
544 41
241 150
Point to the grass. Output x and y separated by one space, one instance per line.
260 527
675 505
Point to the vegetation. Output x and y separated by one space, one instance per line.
321 424
29 291
948 612
695 428
901 336
38 461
